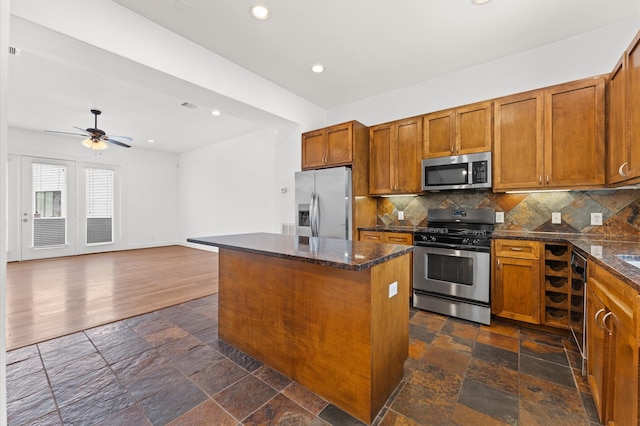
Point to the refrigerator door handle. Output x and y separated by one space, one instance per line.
316 214
312 214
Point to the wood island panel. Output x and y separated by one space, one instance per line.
335 331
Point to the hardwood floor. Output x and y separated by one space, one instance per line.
54 297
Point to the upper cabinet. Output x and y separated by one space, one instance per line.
463 130
395 156
333 146
623 118
551 138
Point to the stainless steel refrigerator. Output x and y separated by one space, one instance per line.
323 203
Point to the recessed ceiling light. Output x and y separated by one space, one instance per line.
260 12
318 68
151 141
215 112
479 2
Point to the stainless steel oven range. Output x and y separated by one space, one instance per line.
452 263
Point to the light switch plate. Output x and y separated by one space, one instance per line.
400 215
393 289
556 217
596 219
499 217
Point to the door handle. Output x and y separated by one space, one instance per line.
621 172
595 317
25 220
604 323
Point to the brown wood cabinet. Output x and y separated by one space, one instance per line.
623 118
515 289
463 130
395 156
612 343
557 291
551 138
332 146
387 237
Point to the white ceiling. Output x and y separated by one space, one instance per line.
367 47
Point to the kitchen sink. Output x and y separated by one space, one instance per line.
631 259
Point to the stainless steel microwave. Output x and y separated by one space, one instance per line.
470 171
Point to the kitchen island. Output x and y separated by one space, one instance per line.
331 314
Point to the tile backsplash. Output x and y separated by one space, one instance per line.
527 211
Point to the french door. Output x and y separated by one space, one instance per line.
48 205
66 208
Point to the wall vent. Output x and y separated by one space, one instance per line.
15 51
188 105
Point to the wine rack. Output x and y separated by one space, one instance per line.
557 284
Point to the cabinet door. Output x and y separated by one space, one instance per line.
624 383
380 154
515 293
409 156
313 149
439 134
574 134
473 128
518 141
339 149
617 141
597 349
633 107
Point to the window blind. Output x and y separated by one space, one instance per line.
49 205
99 205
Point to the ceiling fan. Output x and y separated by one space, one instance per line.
97 139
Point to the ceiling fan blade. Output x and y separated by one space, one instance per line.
84 130
121 138
117 143
66 133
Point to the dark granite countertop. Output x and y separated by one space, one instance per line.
344 254
599 249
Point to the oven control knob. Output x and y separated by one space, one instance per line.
465 241
476 241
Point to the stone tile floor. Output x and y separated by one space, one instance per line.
168 367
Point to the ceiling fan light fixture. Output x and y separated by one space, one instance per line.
260 12
95 144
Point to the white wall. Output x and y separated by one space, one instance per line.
149 191
228 187
578 57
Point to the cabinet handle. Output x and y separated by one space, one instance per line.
595 317
604 323
498 263
547 179
621 171
516 248
540 180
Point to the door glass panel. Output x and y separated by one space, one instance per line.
49 205
99 206
450 269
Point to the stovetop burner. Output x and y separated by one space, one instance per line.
453 228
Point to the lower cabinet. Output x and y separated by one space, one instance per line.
612 345
515 290
387 237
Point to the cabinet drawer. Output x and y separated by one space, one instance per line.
371 236
398 238
520 249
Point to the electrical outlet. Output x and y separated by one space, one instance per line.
393 289
401 215
499 217
596 218
556 218
596 251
